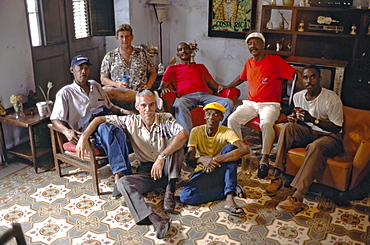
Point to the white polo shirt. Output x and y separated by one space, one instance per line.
72 102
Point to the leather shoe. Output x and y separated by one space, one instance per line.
169 203
275 185
263 171
161 227
116 194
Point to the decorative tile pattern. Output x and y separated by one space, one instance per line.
178 232
350 219
119 218
85 205
50 193
334 239
49 230
211 238
54 210
287 232
16 213
93 238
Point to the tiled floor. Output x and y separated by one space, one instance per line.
54 210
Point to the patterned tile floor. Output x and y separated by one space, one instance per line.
54 210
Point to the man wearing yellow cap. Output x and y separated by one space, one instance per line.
215 151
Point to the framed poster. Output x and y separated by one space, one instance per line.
231 18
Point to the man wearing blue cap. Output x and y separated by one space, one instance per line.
75 100
214 150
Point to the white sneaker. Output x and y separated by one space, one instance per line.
158 100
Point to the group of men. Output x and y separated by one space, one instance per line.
213 150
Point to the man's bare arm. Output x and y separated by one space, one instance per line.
237 81
152 76
66 130
83 142
178 142
233 155
105 79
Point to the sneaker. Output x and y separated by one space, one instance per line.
290 205
274 186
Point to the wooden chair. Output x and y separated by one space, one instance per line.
63 153
16 232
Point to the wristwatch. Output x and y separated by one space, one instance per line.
317 121
162 155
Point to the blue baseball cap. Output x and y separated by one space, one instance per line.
79 60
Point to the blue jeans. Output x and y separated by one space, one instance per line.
203 187
183 105
113 140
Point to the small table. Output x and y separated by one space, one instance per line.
27 150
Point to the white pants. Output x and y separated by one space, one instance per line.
267 111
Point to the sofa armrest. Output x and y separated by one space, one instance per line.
168 100
231 93
361 163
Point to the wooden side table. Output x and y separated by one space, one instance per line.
27 150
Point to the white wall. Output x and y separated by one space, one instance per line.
185 21
16 72
15 52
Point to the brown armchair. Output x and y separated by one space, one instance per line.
63 153
346 171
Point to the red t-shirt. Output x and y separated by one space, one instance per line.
265 78
187 78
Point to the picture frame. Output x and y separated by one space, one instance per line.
231 18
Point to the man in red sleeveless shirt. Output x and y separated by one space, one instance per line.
194 86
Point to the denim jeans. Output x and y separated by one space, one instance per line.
207 187
113 140
183 105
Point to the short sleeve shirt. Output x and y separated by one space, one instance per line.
326 106
138 68
188 78
206 145
147 144
72 102
265 78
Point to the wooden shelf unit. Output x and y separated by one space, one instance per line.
322 44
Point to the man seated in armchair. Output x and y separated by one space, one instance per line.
193 83
75 100
316 124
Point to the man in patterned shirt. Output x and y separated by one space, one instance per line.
126 60
157 140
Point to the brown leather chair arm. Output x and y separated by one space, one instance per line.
361 163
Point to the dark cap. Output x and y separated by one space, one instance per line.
79 60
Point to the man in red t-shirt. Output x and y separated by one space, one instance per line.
194 86
264 74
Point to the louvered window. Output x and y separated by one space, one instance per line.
81 19
34 23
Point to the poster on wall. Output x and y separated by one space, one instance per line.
231 18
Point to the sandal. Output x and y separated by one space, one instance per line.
232 210
240 191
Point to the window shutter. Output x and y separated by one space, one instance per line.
102 17
80 18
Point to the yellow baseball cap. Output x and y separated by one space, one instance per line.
215 106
